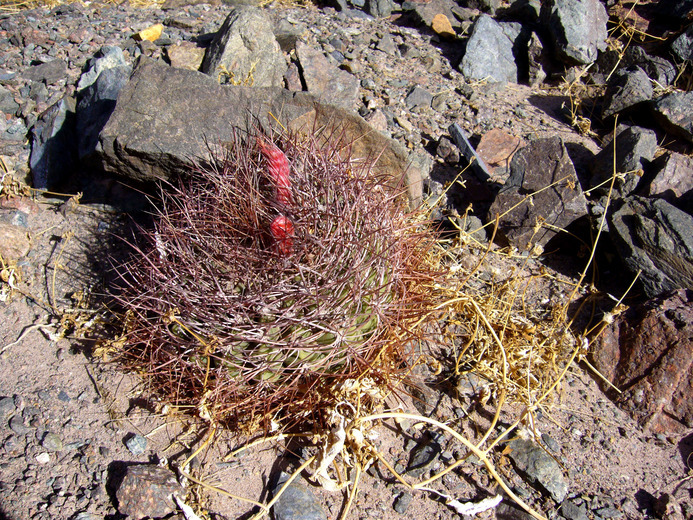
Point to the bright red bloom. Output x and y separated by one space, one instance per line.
282 230
278 169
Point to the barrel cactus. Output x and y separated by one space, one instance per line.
273 274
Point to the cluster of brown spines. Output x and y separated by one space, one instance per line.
268 278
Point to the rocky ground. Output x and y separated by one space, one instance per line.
75 432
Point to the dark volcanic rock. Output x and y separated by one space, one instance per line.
577 28
662 71
489 54
655 237
674 112
674 9
673 178
7 102
418 97
627 88
532 169
539 467
682 46
325 81
245 51
95 105
646 353
49 72
53 150
296 502
477 164
423 456
635 147
164 116
146 492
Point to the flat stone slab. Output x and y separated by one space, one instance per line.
165 118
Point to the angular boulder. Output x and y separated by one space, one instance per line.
682 46
325 81
674 111
634 149
543 188
656 238
577 29
489 53
165 117
53 151
646 353
673 178
245 51
628 87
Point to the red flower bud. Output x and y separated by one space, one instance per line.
278 169
282 230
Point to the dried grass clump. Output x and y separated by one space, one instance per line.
269 278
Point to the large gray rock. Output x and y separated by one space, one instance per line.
325 81
627 88
164 116
674 111
577 29
489 53
635 148
532 169
245 51
655 237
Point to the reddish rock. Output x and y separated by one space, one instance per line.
497 147
646 353
147 491
14 242
24 204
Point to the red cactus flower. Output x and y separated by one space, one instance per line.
282 230
279 170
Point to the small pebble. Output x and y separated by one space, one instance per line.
52 442
402 502
6 406
43 458
17 425
550 442
136 443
